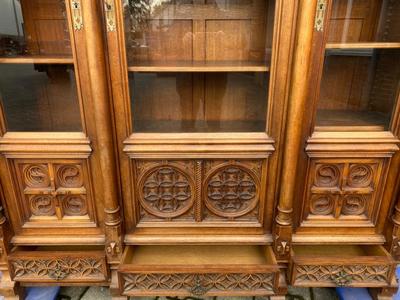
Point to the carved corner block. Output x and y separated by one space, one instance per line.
282 242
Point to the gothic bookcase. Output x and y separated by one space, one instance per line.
199 147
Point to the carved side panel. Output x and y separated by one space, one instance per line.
342 275
54 191
198 190
197 284
343 191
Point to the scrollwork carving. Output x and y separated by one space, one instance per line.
36 176
42 205
354 204
198 284
231 191
322 204
327 175
360 175
69 176
74 205
166 191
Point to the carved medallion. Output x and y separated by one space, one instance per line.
322 204
42 205
360 176
231 191
327 176
36 176
74 205
354 204
166 191
69 176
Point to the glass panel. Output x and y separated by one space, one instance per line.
360 80
198 65
37 80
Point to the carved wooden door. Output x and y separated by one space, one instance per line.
354 88
47 165
195 113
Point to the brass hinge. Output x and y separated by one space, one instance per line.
320 15
77 14
109 9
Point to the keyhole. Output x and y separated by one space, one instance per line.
76 5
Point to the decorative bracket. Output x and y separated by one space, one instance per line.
320 15
77 14
109 9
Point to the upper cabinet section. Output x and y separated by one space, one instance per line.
359 82
198 65
38 80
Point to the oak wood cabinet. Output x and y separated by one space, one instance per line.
199 147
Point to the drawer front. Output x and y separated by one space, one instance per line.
357 275
63 267
197 284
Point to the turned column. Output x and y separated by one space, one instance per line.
295 118
92 17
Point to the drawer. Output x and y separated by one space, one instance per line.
341 265
198 270
61 265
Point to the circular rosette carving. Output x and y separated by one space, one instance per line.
74 205
36 176
166 191
231 191
354 204
42 205
327 176
70 176
322 204
360 176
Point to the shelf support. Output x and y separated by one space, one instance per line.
293 135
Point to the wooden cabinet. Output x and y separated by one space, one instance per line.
205 147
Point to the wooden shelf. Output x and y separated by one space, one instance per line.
333 120
372 45
243 66
38 59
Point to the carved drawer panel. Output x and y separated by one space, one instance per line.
54 192
56 265
341 265
198 271
199 190
343 191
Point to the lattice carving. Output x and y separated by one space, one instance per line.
360 175
322 204
231 191
198 284
58 269
36 176
166 191
74 205
342 275
69 176
327 175
42 205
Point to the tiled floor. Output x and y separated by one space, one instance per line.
101 293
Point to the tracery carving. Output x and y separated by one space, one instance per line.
166 191
342 274
36 176
327 175
198 284
354 204
70 176
322 204
360 175
74 205
58 268
42 205
231 191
